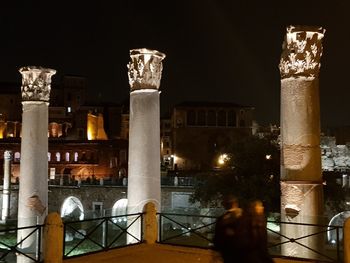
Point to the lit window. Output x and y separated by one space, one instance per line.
76 157
52 173
58 157
69 109
67 156
49 157
17 157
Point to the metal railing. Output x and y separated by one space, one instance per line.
312 243
101 234
304 241
186 230
10 248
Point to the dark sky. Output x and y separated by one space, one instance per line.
225 50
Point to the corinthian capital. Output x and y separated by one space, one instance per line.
145 69
302 51
7 155
36 83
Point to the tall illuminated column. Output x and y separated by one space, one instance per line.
33 186
301 171
6 192
145 70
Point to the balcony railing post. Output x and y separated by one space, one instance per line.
53 239
150 228
346 240
160 228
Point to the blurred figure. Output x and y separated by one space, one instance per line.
228 232
255 221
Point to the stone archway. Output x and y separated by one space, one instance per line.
72 209
337 220
120 208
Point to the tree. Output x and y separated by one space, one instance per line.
251 172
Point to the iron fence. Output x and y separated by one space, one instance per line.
305 241
302 241
186 230
101 234
11 248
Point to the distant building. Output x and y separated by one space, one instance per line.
199 132
84 140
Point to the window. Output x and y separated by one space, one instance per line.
201 120
58 157
52 173
191 118
76 155
69 109
211 118
222 118
231 119
80 133
122 156
97 207
17 157
67 157
49 157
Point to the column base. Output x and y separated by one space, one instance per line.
301 213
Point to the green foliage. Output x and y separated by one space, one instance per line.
248 175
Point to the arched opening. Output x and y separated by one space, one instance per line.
58 157
17 157
120 208
337 220
76 156
72 209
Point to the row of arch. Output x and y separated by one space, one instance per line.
72 208
57 157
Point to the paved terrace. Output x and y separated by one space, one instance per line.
158 253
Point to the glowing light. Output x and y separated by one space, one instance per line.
268 156
223 158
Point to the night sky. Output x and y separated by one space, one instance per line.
216 50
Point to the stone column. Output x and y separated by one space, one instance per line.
33 185
6 192
301 171
145 69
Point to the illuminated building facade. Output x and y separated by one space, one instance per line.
84 140
198 133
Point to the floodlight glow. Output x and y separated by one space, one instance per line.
223 158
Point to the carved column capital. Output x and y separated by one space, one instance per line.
36 83
302 51
145 69
8 155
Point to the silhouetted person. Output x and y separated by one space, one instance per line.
228 232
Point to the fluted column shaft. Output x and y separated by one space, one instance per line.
301 171
145 69
33 185
6 191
